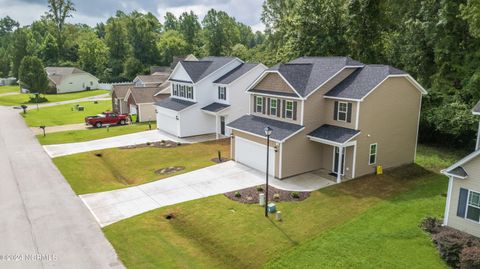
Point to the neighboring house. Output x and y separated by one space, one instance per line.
462 209
331 114
206 94
140 101
70 79
153 80
119 105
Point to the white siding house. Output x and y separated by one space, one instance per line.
195 106
70 79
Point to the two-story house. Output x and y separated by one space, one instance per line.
462 209
206 94
330 113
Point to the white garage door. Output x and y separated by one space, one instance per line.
167 123
254 155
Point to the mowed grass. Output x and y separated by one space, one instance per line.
92 134
8 89
64 114
19 99
120 168
374 218
437 158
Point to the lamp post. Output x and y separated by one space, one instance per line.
268 132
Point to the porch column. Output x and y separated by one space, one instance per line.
339 168
478 137
216 127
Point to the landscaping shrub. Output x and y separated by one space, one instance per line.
276 196
259 188
450 243
431 225
470 258
41 99
238 194
295 195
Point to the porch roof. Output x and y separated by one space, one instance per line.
333 134
458 172
256 125
174 104
215 107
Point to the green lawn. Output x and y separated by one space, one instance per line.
7 89
371 222
16 100
63 114
119 168
92 134
436 158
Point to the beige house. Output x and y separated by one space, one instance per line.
462 210
332 114
119 105
140 101
70 79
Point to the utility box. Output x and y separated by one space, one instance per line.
379 170
278 216
261 199
272 208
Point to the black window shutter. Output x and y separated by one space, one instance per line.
255 104
278 107
218 92
283 108
268 106
264 104
349 112
294 111
335 111
225 93
462 203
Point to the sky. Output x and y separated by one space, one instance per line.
93 11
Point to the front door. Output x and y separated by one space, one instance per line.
222 125
335 161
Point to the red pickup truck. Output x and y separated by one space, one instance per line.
106 118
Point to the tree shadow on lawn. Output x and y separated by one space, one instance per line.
391 182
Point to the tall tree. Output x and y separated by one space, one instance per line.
50 50
32 75
171 44
144 30
93 54
116 39
21 40
58 12
171 22
190 28
7 25
220 32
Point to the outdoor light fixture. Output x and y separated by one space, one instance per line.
268 133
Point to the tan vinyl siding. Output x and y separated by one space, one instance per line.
280 107
146 112
389 117
274 82
471 183
329 109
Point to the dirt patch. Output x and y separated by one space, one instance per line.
160 144
216 160
169 170
250 195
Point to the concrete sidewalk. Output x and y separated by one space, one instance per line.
41 215
112 206
59 128
119 141
9 93
102 97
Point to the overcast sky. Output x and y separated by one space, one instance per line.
93 11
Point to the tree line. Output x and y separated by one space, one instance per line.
436 41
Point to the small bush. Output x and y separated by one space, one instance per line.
238 194
470 258
295 195
276 196
259 188
431 225
40 99
450 244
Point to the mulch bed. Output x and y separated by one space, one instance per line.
250 195
216 160
169 170
160 144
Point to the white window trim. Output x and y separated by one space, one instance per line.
468 205
286 109
257 105
271 107
370 153
176 88
346 111
222 93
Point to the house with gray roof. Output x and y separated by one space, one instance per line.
334 115
206 94
70 79
462 209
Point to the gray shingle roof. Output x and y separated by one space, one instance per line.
306 74
121 90
235 73
362 81
256 125
476 109
274 92
57 74
174 104
334 133
215 107
458 171
142 95
198 70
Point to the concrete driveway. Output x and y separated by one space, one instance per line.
112 206
119 141
41 215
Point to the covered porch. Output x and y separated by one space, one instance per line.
220 112
342 146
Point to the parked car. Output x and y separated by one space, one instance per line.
106 118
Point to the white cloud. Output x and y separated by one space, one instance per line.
24 13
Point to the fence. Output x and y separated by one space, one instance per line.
109 86
7 81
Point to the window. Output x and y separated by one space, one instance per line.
182 90
342 111
372 158
189 92
273 107
258 104
91 83
473 206
289 109
222 93
175 89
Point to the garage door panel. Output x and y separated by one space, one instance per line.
254 155
167 123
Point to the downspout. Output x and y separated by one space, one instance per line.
478 138
447 204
